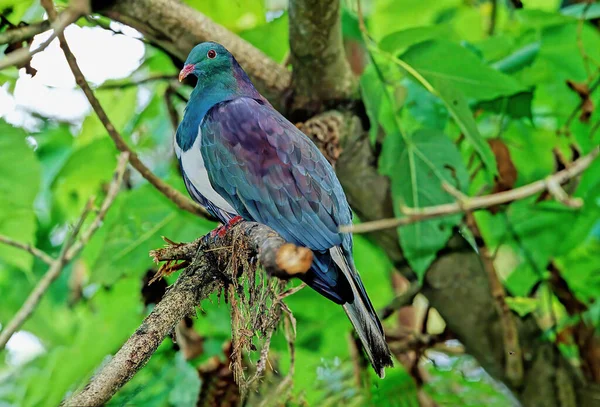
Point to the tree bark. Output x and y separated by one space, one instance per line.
321 73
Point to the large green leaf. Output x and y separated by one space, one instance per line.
421 65
379 87
400 41
417 167
449 63
271 38
19 185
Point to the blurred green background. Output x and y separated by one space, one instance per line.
506 83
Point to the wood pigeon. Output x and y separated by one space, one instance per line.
241 158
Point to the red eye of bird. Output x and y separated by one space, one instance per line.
211 53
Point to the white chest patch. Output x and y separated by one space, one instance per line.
193 165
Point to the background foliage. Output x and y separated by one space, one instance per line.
447 101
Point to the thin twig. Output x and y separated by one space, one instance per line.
70 249
593 87
174 195
173 115
594 129
584 54
76 9
128 84
20 34
493 17
28 248
400 301
479 202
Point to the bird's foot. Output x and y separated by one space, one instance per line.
223 229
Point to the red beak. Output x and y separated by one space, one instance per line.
187 69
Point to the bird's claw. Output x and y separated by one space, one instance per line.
222 230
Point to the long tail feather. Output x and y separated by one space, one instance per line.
363 317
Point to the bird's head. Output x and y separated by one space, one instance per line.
206 59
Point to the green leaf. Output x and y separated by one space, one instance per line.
522 305
378 96
558 60
449 63
417 168
19 185
424 108
393 15
271 38
81 176
538 19
517 106
580 268
443 85
186 386
372 92
399 41
579 11
18 10
519 59
459 108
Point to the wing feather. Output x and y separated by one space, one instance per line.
264 166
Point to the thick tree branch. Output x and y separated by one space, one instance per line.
467 204
182 201
177 28
28 248
202 277
321 71
71 248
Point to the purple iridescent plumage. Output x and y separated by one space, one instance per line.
241 157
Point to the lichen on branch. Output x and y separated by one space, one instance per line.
214 264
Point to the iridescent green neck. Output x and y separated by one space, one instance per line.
212 88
